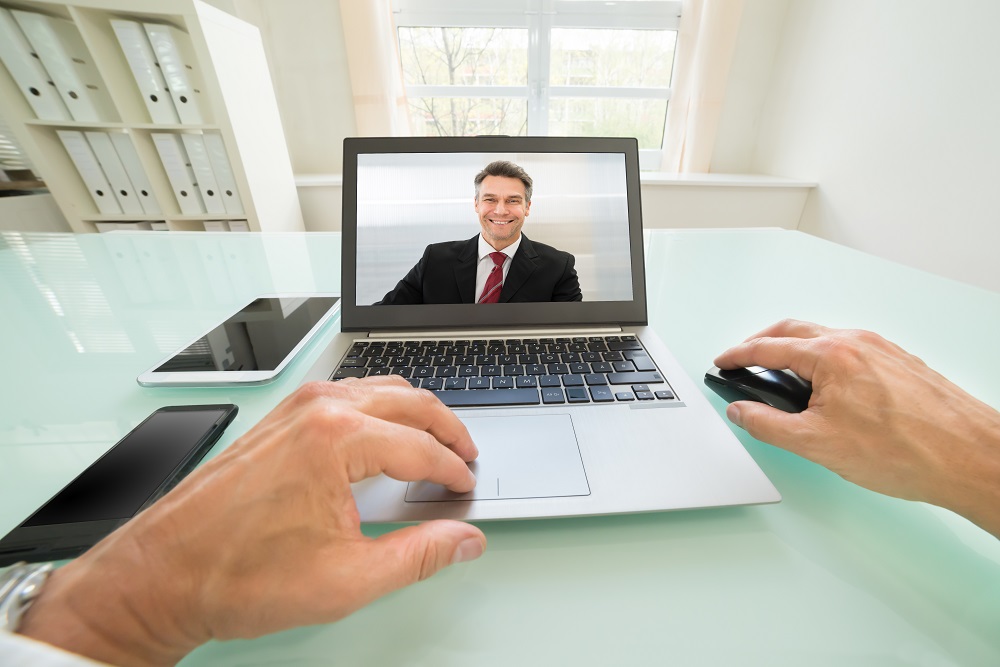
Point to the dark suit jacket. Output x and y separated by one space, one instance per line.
446 273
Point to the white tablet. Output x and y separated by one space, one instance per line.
251 347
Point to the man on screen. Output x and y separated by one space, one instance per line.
499 265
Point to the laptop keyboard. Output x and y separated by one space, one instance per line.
515 371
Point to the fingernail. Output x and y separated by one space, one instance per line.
469 549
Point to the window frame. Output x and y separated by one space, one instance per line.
540 17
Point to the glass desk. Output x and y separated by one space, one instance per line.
833 575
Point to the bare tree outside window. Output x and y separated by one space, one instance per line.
480 57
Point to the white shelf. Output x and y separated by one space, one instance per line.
237 97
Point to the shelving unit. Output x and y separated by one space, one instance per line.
237 99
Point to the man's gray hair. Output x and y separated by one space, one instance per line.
506 169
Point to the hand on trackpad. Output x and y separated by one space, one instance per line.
520 456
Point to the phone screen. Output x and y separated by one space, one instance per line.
118 483
138 470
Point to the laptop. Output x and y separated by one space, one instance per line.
576 405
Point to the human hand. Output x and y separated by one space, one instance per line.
878 417
266 536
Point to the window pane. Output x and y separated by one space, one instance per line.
609 117
597 57
462 116
464 56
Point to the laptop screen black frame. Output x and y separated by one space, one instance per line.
355 317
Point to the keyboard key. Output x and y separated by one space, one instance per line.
446 371
353 362
548 358
455 383
665 395
513 370
414 382
491 371
558 369
503 382
624 366
342 373
602 394
602 367
641 360
595 379
549 381
534 369
551 396
625 345
572 380
625 396
591 357
507 359
468 371
432 383
640 387
579 368
479 383
646 377
423 372
577 395
644 395
612 356
526 381
488 397
404 372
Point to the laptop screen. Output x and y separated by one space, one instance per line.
413 215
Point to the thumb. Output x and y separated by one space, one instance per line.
414 553
765 423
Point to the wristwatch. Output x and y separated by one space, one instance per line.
20 584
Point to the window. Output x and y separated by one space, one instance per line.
539 67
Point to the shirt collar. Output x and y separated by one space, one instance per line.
485 248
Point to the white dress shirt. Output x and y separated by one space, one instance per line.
20 651
486 262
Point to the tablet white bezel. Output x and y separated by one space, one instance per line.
153 378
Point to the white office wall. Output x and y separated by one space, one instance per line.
303 41
893 108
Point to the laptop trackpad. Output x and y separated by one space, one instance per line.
520 456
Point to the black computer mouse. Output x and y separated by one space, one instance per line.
783 390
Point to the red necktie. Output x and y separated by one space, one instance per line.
494 281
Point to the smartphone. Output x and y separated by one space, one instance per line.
129 477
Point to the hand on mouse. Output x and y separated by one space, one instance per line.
266 535
878 417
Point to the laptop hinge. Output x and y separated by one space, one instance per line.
494 333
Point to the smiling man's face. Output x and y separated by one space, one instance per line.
502 208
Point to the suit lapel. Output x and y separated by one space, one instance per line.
465 270
522 265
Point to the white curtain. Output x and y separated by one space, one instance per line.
705 47
376 75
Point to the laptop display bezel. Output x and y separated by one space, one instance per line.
355 317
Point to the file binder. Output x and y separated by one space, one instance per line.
223 173
179 172
27 71
175 54
65 57
142 61
136 173
113 170
90 171
197 154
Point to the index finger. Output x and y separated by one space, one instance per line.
789 328
393 399
796 354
